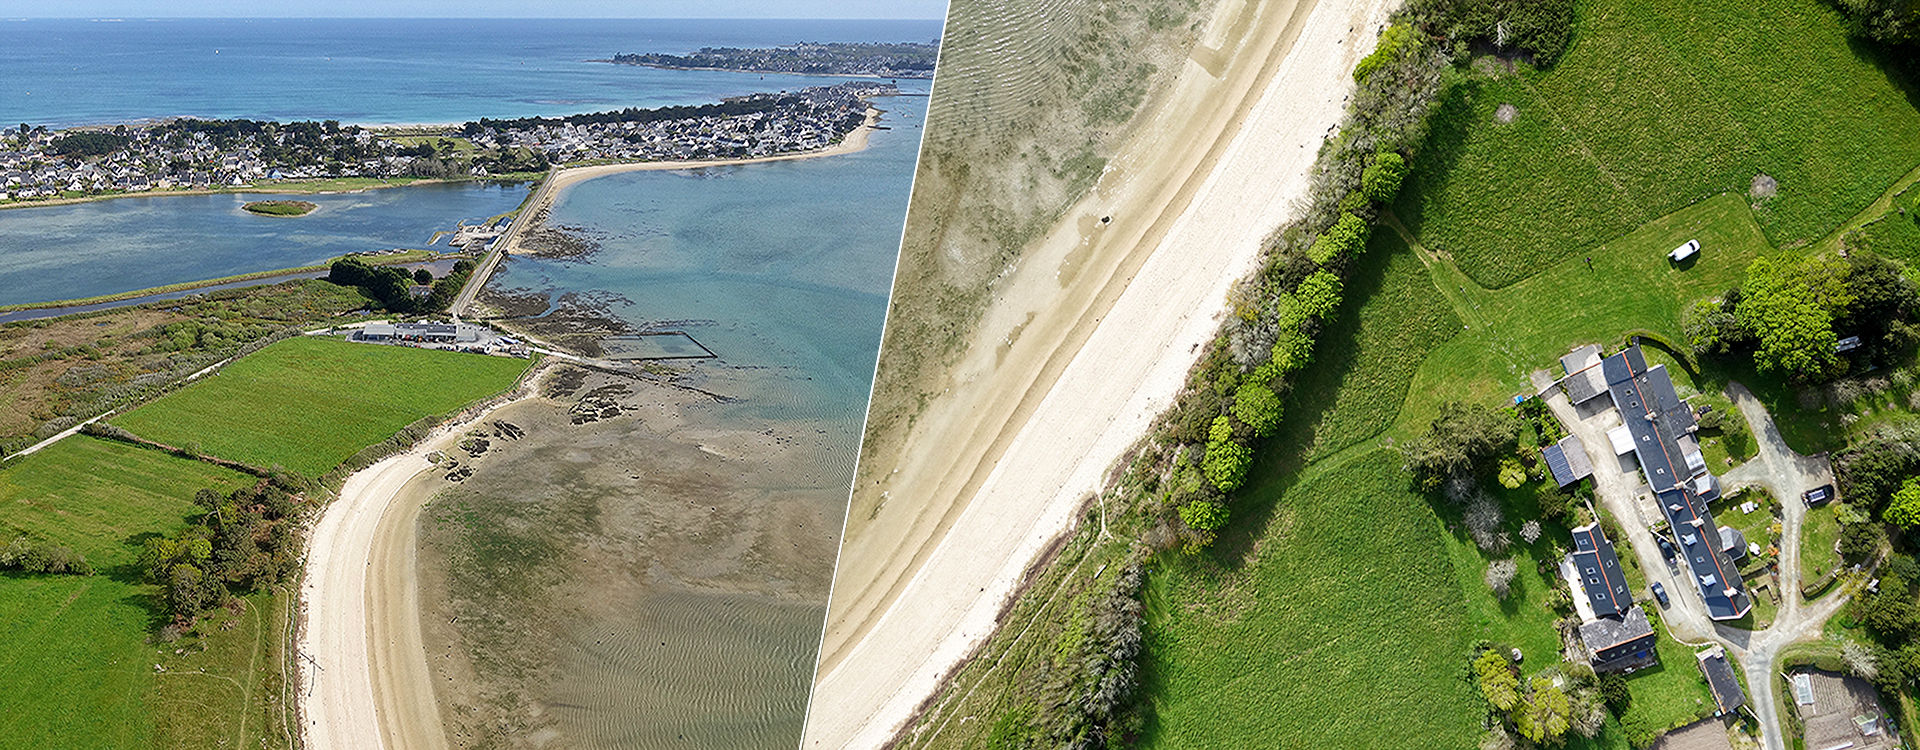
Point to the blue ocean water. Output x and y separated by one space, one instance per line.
60 72
106 247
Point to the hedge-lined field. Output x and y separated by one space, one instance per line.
1656 107
80 668
1374 348
308 403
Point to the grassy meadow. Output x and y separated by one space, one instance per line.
78 655
309 403
1654 108
1340 607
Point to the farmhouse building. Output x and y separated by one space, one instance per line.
424 333
1661 428
1567 460
1616 632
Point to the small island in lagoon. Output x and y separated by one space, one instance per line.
281 208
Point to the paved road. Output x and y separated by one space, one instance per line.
1777 468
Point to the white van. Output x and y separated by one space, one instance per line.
1684 252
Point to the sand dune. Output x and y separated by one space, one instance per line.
1084 344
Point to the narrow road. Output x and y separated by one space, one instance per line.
1776 468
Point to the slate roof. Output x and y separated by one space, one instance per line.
1567 460
1583 380
1608 633
1658 420
1604 584
1727 695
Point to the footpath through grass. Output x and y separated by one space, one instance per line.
1656 107
309 403
77 667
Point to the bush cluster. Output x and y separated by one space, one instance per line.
1789 316
29 556
248 540
392 287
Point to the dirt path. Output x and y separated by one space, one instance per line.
1088 339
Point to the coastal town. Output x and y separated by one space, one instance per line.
37 163
902 60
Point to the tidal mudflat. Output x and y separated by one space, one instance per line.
646 563
625 566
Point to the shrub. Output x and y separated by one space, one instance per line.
1258 407
1319 294
1392 41
1500 575
1226 461
1292 351
1204 515
1544 713
1904 509
1381 182
1459 441
1498 684
1512 474
1343 240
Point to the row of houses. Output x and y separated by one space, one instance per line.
808 120
1658 433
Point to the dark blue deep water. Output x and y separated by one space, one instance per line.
380 71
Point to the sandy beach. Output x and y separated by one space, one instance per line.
360 690
1082 346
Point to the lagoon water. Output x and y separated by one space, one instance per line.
106 247
63 72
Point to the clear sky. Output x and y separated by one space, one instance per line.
932 9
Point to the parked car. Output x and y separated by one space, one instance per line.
1683 252
1660 592
1818 495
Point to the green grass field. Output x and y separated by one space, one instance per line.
1361 382
309 403
1819 532
1655 108
1347 631
76 664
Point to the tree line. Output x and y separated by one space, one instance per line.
733 107
391 287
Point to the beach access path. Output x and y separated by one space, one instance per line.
560 179
1085 343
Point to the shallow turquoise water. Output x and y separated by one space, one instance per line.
783 267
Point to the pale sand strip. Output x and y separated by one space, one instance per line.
1090 339
363 666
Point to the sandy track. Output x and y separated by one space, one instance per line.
363 667
1089 339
